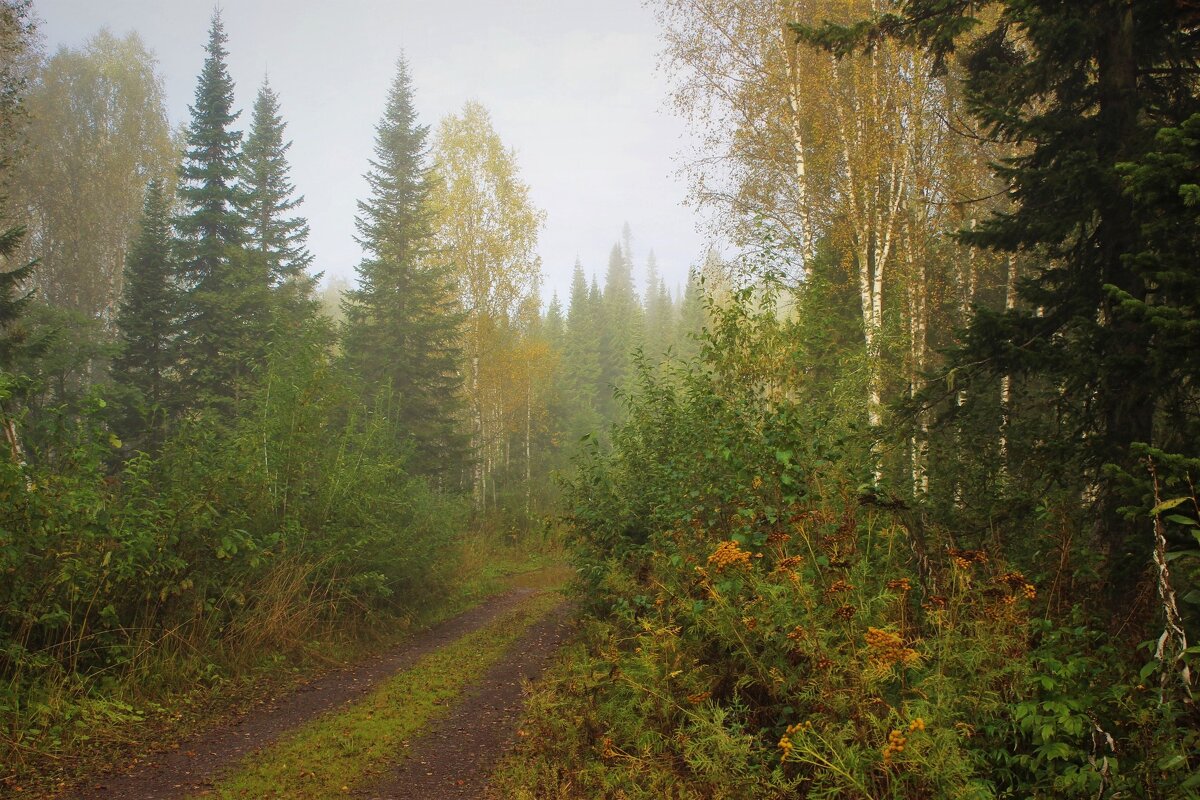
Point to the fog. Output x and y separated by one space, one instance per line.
572 86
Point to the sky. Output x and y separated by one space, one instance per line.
572 85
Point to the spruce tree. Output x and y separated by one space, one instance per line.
1084 88
621 330
659 310
146 323
16 40
581 356
403 321
224 310
275 237
554 325
692 317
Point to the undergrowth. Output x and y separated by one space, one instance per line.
765 621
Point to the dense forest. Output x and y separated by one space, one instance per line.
896 501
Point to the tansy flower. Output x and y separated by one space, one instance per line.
888 648
729 554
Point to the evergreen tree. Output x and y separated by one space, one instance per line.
660 311
16 38
276 238
402 323
224 311
691 315
554 326
581 356
146 322
621 332
1084 87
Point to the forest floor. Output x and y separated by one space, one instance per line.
426 719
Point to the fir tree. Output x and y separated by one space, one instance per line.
15 295
276 238
554 326
224 311
621 330
660 310
581 355
692 316
1084 87
146 321
402 323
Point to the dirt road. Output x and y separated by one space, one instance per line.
451 758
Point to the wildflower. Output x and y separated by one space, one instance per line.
895 746
839 586
729 554
846 612
699 697
785 742
900 585
756 483
778 537
888 648
797 634
1017 581
750 622
917 724
606 748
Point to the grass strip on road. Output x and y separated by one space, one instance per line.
331 755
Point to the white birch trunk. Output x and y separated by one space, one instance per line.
1010 302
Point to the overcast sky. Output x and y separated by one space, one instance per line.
572 85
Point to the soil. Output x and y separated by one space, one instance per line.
190 766
455 755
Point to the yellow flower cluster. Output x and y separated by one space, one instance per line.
888 648
729 554
839 586
1017 582
787 568
897 740
785 742
965 558
791 562
895 746
900 585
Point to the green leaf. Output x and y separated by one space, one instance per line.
1171 762
1179 519
1166 505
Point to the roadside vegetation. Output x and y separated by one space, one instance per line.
920 520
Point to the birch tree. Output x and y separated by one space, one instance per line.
485 230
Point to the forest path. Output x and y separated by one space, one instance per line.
450 755
455 755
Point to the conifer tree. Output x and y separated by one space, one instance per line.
275 237
691 316
581 355
16 40
146 322
659 310
1086 87
224 311
402 323
621 325
554 326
